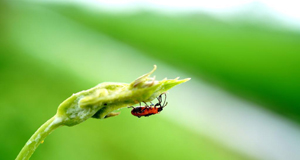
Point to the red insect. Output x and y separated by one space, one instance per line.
149 110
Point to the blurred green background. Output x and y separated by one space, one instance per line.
49 51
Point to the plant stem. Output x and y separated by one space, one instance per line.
38 137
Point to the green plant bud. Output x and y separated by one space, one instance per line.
101 100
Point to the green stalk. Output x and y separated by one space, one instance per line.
99 102
38 137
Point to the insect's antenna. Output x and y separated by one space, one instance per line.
165 102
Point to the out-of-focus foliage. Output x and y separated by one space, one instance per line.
32 88
253 60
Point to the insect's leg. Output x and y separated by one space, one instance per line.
159 99
151 104
145 106
130 107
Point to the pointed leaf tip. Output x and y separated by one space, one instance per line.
186 79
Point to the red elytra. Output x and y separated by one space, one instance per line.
149 110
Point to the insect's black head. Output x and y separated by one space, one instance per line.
159 109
